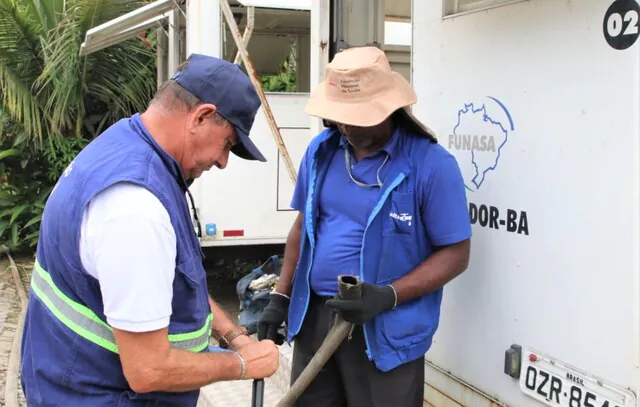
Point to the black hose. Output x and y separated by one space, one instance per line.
257 397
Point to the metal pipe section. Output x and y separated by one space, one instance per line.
204 28
161 57
340 42
358 23
257 396
125 21
93 44
174 42
228 14
321 44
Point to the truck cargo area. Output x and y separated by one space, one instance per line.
539 101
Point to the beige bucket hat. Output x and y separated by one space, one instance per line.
360 89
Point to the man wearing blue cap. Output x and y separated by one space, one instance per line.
119 312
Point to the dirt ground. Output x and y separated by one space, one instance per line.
9 314
224 293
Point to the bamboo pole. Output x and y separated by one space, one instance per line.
246 59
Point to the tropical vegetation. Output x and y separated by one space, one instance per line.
53 101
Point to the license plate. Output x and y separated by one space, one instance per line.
557 384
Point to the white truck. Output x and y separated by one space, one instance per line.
539 101
248 204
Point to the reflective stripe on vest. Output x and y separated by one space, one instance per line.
86 323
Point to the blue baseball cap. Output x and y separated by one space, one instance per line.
223 84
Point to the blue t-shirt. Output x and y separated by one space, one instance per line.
344 207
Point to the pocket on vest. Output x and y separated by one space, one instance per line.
190 291
408 324
401 216
398 254
192 271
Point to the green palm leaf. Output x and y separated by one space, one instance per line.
47 12
20 64
49 88
48 92
119 77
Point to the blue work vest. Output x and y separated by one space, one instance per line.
69 354
391 248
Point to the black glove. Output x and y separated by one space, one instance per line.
272 318
374 300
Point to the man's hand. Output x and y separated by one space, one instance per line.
150 364
272 318
241 341
374 300
262 359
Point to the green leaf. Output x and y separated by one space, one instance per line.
6 212
44 194
32 238
48 12
32 235
32 221
9 153
16 212
3 227
6 194
9 192
21 138
48 88
15 235
53 102
20 64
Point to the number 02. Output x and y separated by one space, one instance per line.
615 21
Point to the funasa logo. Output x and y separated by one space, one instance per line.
479 139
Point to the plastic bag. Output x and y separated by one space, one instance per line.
253 292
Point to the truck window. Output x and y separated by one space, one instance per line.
465 6
278 47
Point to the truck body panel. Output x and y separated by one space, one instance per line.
542 115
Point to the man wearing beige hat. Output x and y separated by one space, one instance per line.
380 199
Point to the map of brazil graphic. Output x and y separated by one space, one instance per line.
479 137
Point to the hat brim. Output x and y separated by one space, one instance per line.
362 114
417 125
370 113
246 150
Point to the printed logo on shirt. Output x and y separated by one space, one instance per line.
68 170
65 174
403 217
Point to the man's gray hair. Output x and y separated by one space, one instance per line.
172 96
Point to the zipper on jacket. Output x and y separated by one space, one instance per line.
310 236
374 213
